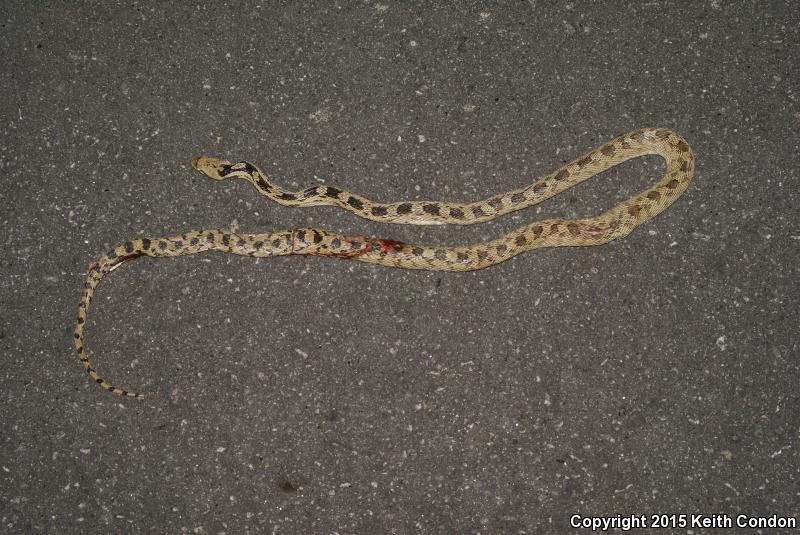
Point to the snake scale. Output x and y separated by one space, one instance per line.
617 222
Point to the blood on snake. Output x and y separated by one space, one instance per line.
615 223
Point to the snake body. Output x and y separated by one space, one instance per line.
617 222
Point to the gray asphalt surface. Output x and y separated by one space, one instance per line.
656 374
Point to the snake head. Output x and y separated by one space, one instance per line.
223 169
212 167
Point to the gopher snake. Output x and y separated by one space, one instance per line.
617 222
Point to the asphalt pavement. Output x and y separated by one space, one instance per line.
656 375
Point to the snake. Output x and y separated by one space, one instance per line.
615 223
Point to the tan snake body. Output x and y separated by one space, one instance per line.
617 222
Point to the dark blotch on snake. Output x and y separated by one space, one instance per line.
379 210
163 245
332 192
317 237
287 197
146 243
478 211
517 198
521 240
416 251
440 254
561 175
336 243
128 247
432 209
355 203
457 213
404 208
